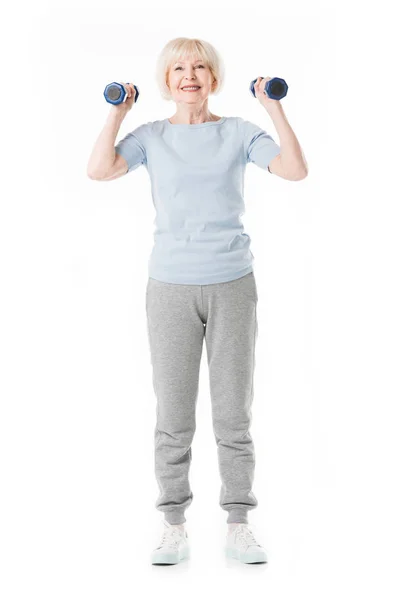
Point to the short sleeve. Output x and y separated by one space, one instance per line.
260 147
133 148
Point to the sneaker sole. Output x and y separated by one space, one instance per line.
169 558
254 557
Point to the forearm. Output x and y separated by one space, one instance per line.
292 157
103 154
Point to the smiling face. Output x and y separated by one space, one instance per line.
186 73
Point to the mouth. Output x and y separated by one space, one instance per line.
197 87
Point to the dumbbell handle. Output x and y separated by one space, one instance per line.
115 93
276 88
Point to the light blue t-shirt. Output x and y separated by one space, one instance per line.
197 184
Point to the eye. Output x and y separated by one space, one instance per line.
202 66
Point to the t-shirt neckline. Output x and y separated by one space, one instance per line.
194 125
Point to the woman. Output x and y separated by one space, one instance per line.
201 282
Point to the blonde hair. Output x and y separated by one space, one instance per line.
187 48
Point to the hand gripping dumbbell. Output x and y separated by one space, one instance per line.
276 88
115 93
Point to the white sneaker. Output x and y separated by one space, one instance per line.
242 545
173 548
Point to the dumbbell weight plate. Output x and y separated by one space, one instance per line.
115 93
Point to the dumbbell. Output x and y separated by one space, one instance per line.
115 93
276 88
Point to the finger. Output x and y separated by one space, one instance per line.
124 86
128 88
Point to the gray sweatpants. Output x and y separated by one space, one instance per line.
179 316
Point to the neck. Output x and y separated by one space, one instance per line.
191 115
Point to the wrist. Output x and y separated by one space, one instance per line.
276 113
274 107
118 111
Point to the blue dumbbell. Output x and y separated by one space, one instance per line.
276 88
115 93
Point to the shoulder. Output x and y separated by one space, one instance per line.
248 127
238 125
144 129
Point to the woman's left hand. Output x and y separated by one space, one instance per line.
259 87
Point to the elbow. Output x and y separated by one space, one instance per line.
304 170
303 176
94 172
300 175
89 172
294 171
92 176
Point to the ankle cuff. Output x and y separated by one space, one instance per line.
237 515
175 517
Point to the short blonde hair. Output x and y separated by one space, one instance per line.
187 48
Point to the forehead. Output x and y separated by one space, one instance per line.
188 61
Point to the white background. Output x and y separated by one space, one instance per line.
78 517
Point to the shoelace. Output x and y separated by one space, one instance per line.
171 538
245 535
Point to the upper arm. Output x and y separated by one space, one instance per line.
119 168
259 146
276 168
